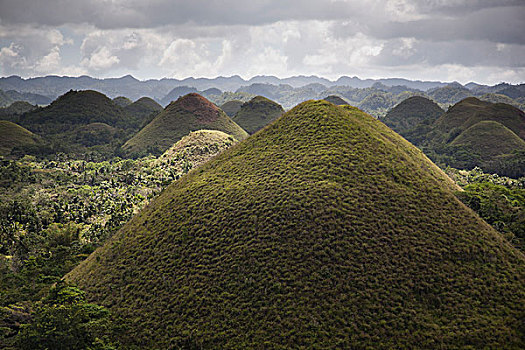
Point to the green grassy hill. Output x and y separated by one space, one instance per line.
490 139
410 113
324 230
145 109
13 135
15 109
494 150
336 100
77 108
122 101
257 113
471 110
189 113
231 107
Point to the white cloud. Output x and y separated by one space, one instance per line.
100 59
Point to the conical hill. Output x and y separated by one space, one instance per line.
257 113
412 112
189 113
324 230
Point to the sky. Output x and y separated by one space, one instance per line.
446 40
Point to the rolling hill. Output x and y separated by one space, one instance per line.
412 112
76 108
122 101
336 100
231 107
189 113
145 109
13 135
471 110
324 230
257 113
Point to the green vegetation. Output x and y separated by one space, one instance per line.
15 109
62 320
145 108
471 133
122 101
336 100
54 213
257 113
231 107
499 200
189 113
324 230
13 135
412 113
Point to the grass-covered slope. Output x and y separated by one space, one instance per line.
145 109
195 148
470 111
412 112
76 108
336 100
490 139
231 107
257 113
324 230
13 135
189 113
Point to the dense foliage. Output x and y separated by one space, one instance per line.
54 213
324 230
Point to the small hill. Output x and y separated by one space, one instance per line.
257 113
490 139
211 92
76 108
177 92
470 111
499 98
189 113
412 112
449 94
15 109
13 135
231 107
122 101
491 146
196 148
324 230
336 100
145 109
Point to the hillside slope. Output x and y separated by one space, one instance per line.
189 113
412 112
324 230
257 113
13 135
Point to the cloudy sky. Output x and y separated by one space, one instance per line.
447 40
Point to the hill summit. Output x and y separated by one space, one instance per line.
189 113
412 112
324 230
257 113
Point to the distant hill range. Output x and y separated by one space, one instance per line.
470 133
324 230
375 96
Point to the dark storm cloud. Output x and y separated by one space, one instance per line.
500 24
147 14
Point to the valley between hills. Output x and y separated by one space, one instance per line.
229 214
